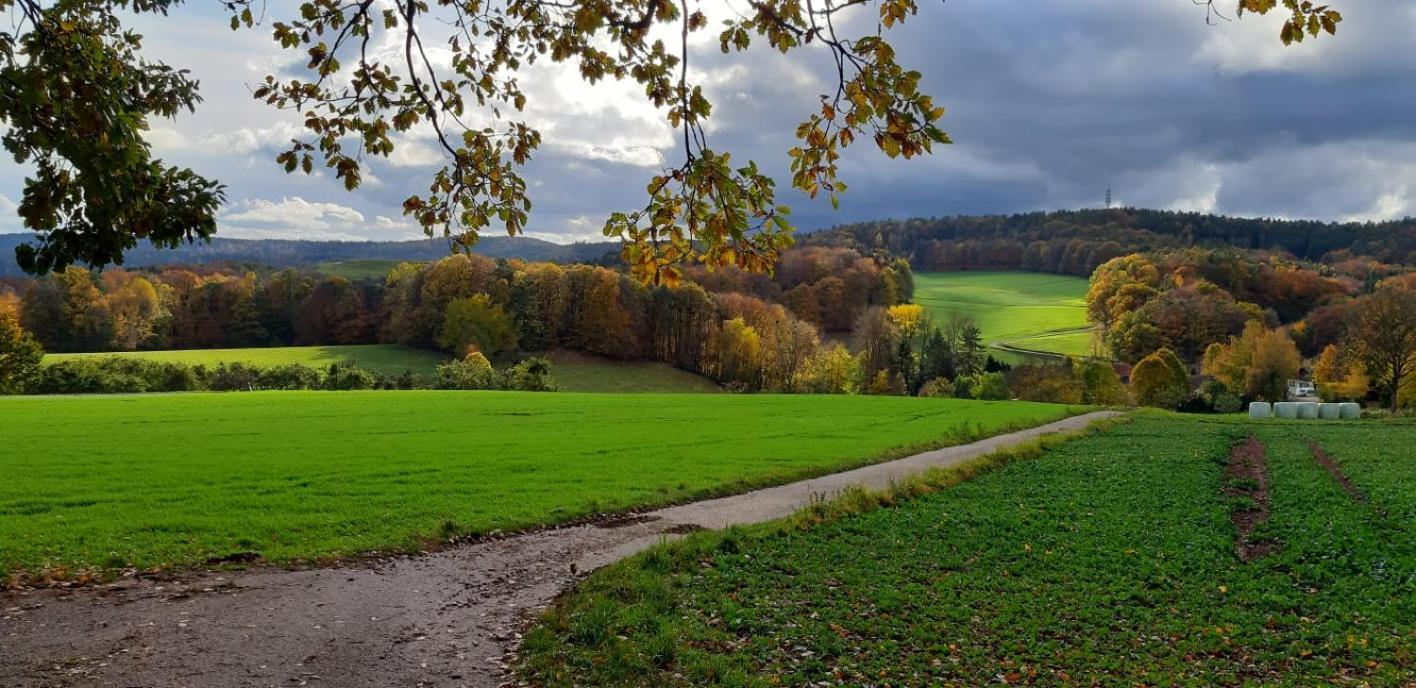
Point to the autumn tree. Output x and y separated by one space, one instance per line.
1339 377
1158 380
1386 336
136 309
1119 286
331 314
278 303
602 325
539 295
1257 364
875 337
20 353
737 355
475 324
833 370
73 75
685 319
67 312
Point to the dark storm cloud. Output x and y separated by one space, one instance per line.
1048 103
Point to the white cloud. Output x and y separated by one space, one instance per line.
10 221
297 218
168 139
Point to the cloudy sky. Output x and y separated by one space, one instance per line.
1048 103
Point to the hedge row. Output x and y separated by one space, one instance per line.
128 375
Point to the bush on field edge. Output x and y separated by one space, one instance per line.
130 375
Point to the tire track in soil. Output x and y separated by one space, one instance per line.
1246 475
1330 464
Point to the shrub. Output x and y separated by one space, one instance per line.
964 386
472 372
939 387
404 380
1051 383
992 387
1215 396
233 377
289 376
1156 382
109 375
532 375
1100 384
886 383
345 376
114 375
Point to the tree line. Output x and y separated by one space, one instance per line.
1077 242
471 304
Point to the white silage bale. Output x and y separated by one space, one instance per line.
1329 411
1350 410
1285 409
1259 410
1308 410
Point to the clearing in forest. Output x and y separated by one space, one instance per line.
388 358
1023 310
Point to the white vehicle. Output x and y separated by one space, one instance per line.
1302 390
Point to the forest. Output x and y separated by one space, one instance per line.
749 332
1076 242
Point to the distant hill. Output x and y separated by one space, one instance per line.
299 253
1074 241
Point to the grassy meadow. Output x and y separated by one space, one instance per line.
577 372
363 268
1028 310
389 358
178 479
1106 560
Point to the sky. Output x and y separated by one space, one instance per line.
1048 105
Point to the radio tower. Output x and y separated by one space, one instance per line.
1108 198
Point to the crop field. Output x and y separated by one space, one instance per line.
577 372
179 479
1029 310
1140 555
389 358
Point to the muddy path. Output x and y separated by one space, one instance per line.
444 619
1247 476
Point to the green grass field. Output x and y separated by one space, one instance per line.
577 372
1108 560
1029 310
176 479
389 358
367 268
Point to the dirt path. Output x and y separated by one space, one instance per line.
1247 475
443 619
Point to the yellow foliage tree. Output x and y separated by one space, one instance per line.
833 371
909 318
1257 363
1338 379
